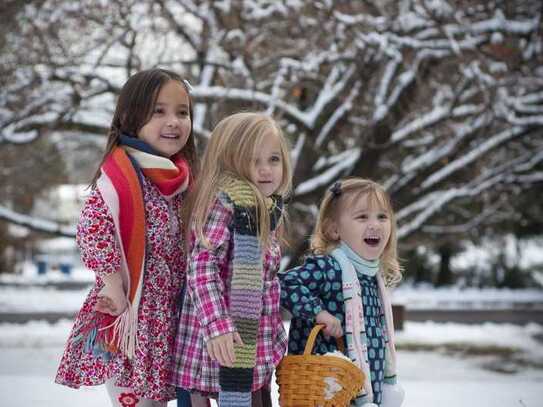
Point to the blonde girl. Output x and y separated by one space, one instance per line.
342 284
230 334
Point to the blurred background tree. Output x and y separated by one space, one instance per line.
441 101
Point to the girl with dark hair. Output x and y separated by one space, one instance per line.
130 234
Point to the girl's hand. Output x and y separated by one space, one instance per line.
333 325
221 348
106 305
111 298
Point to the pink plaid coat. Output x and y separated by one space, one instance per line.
205 310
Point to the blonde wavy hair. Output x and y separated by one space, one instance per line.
229 153
353 189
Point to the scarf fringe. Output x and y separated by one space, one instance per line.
121 334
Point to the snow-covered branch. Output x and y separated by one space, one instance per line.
39 225
340 112
473 155
326 177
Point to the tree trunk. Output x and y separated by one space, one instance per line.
445 276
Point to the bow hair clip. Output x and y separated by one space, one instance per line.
336 189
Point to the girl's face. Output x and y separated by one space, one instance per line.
266 171
169 127
364 227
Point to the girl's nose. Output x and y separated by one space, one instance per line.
264 169
373 224
173 121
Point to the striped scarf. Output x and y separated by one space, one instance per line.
246 290
121 186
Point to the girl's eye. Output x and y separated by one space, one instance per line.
275 159
382 216
363 217
158 110
183 113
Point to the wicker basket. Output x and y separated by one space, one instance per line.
301 377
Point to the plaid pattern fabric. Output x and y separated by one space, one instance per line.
206 304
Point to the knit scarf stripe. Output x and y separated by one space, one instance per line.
245 295
170 176
121 187
123 177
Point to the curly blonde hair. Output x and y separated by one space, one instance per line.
352 189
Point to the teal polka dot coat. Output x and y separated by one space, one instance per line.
307 290
317 285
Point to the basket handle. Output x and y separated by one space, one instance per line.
313 335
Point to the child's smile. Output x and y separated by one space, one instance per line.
364 226
372 241
169 127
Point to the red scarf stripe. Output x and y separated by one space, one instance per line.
167 181
135 226
132 213
126 210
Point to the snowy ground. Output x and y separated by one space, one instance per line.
28 292
445 365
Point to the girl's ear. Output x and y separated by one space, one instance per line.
332 230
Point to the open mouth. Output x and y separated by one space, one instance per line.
372 241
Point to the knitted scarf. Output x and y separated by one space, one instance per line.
120 185
246 290
355 327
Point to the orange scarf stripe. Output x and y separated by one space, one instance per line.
132 224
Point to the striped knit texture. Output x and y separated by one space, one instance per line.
246 291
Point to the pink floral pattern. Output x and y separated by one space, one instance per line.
147 372
128 399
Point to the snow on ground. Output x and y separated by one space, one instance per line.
47 298
41 299
441 364
30 353
28 292
428 297
27 275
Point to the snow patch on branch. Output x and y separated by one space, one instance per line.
472 155
338 114
348 159
41 225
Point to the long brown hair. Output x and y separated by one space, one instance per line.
352 189
230 151
135 107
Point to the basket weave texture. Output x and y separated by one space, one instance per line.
301 377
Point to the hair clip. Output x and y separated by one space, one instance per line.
336 189
188 85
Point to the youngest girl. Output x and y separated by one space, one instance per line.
342 285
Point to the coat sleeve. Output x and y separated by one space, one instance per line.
96 238
301 288
205 285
